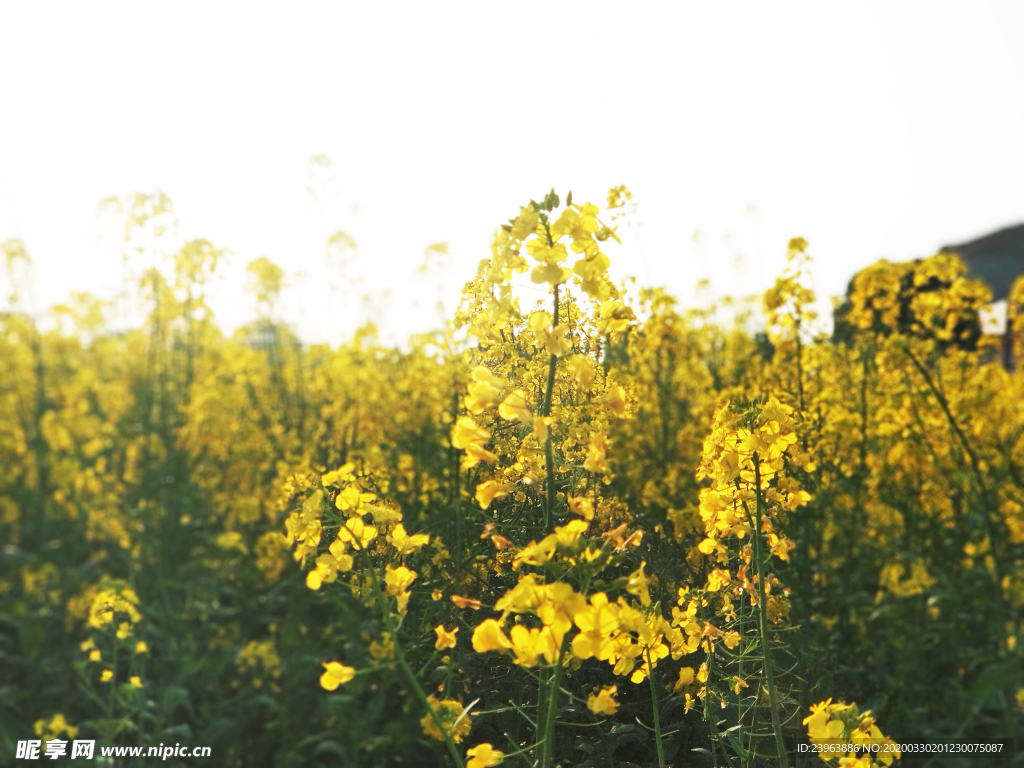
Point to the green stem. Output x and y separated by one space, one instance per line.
762 615
800 369
547 748
542 700
410 676
975 465
457 494
707 710
113 667
752 728
549 453
549 502
652 676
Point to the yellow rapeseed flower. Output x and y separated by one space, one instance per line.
405 544
336 674
514 408
638 585
489 490
469 437
398 579
686 678
569 534
383 650
356 532
52 728
718 578
603 703
536 554
445 639
453 717
488 636
484 756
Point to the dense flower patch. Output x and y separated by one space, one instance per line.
581 525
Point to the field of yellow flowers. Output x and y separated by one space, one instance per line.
597 529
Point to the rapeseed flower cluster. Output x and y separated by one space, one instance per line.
844 724
590 483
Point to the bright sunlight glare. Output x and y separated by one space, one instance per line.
871 129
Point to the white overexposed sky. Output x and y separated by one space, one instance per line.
871 129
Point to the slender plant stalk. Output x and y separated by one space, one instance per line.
800 369
1008 607
740 713
707 712
542 700
410 676
457 490
973 460
547 748
762 615
113 688
549 452
652 677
